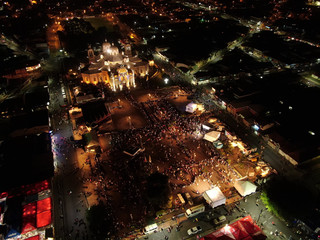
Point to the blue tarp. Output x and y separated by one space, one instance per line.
12 233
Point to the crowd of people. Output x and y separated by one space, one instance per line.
172 147
172 141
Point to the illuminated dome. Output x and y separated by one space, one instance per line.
106 47
114 50
122 70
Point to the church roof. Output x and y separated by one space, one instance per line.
142 63
96 65
134 59
92 71
113 58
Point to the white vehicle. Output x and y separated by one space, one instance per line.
193 211
194 230
220 220
150 228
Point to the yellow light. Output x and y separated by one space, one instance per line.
264 172
131 35
151 63
212 120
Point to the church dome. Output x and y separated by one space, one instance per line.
114 50
122 70
106 47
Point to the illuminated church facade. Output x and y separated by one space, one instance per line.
115 69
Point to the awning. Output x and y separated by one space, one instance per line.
214 197
245 187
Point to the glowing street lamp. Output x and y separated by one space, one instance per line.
166 80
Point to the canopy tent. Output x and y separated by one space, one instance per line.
12 233
44 205
29 189
238 230
4 195
43 219
243 229
28 218
44 212
212 136
37 237
245 187
28 225
214 197
218 144
191 107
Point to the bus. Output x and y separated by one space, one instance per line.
193 211
151 228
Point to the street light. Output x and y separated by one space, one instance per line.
129 120
166 80
259 215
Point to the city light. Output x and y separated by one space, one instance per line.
148 122
256 127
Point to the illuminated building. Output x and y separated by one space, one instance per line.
115 69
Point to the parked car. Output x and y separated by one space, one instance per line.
194 230
220 220
189 199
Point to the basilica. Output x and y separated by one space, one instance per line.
113 68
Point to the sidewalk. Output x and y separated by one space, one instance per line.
163 224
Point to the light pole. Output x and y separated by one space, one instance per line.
85 196
129 120
259 215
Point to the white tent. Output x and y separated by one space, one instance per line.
212 136
214 197
245 187
191 107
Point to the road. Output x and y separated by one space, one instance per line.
251 205
69 201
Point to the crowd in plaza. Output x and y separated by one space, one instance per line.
172 140
173 146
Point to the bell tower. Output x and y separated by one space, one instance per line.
127 50
91 55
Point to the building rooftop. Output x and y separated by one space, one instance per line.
93 111
25 159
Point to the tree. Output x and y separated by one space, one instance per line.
100 221
77 34
288 198
158 190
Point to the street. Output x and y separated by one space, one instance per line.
251 205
